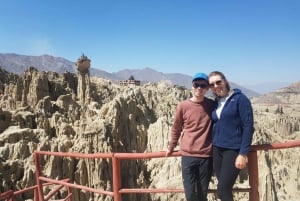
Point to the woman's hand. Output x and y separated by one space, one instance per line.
241 161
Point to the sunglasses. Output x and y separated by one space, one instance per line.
213 84
197 85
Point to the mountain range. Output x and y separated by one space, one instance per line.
17 64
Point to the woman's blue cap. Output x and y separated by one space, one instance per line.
202 76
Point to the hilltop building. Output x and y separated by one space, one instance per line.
130 81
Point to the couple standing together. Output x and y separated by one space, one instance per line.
213 135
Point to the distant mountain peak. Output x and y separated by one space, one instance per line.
285 95
17 64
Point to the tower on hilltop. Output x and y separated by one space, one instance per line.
83 72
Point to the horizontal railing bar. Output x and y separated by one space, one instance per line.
161 154
25 190
180 190
76 155
53 192
145 155
279 145
7 194
100 191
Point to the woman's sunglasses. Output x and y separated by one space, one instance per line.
213 84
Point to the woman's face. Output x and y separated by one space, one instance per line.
218 85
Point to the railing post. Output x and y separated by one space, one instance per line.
253 176
36 194
37 174
116 178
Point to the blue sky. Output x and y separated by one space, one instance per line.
251 41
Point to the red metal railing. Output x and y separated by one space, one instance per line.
116 160
253 164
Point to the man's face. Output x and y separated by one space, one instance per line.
200 87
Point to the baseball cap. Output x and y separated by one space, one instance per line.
202 76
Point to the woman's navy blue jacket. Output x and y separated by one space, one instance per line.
234 129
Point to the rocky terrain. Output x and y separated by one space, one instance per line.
277 118
43 110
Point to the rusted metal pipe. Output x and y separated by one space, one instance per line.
116 178
253 176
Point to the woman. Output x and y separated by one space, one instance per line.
232 133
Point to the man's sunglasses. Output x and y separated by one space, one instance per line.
213 84
197 85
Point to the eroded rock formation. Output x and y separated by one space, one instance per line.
42 111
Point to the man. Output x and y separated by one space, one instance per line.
193 125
